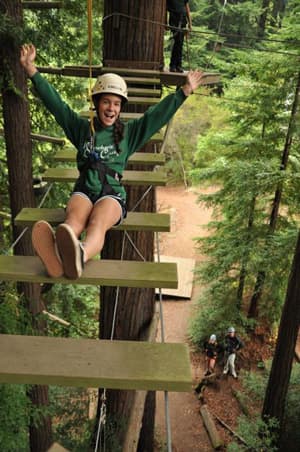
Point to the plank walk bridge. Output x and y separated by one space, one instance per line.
142 365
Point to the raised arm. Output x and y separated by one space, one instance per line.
27 59
193 81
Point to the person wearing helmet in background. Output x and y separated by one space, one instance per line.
231 346
211 348
98 200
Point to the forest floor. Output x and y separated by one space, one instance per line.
188 220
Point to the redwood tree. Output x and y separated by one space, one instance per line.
131 43
279 378
19 162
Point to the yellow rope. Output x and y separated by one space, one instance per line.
90 43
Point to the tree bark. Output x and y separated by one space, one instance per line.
133 33
19 162
279 378
133 43
262 20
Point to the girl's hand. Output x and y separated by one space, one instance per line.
193 81
27 58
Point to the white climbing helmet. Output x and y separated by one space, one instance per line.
231 329
110 84
213 337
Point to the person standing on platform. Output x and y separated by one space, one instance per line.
179 17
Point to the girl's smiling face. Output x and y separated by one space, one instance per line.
109 107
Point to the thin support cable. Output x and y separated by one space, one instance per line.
218 34
134 246
102 416
142 198
162 330
26 229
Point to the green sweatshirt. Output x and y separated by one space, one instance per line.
77 129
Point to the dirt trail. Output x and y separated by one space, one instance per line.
188 432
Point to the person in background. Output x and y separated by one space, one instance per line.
231 346
211 348
98 200
179 17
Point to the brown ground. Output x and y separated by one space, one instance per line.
188 432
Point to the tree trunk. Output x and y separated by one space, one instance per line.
130 43
262 20
261 276
133 33
279 378
19 162
243 272
146 442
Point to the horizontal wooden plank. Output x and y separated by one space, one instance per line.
134 76
139 158
125 116
135 221
83 71
41 5
138 100
156 178
94 363
96 272
146 92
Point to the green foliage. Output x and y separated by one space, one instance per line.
258 435
14 418
71 426
78 305
290 436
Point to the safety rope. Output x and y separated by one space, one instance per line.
90 55
216 43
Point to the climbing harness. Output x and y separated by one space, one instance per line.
103 171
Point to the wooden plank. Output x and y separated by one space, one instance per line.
138 158
125 116
135 221
41 5
94 363
178 79
138 100
146 92
134 76
46 138
156 178
96 272
185 268
213 433
83 71
57 448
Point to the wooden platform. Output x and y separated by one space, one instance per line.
133 76
94 363
135 221
68 154
100 272
185 269
156 178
